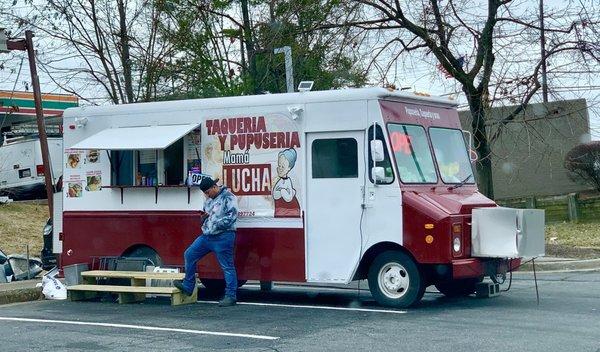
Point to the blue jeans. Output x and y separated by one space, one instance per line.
222 246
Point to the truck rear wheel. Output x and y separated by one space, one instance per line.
458 288
145 252
395 280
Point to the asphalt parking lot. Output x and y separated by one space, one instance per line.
321 318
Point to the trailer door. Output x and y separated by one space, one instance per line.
335 174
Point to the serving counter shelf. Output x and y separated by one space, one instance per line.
155 188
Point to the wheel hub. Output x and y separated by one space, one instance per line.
393 280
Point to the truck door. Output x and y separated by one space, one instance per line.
335 175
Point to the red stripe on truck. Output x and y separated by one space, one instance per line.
270 254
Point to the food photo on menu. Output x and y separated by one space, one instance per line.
75 190
94 183
93 156
73 160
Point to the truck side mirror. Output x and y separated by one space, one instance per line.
377 150
378 174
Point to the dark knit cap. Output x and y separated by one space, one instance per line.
206 183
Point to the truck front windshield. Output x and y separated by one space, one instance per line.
451 155
413 156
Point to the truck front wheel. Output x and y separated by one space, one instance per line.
395 280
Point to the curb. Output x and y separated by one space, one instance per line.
563 265
21 295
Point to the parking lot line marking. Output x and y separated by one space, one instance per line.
314 307
139 327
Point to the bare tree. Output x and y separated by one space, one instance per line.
480 52
83 44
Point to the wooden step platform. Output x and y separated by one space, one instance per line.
129 294
132 274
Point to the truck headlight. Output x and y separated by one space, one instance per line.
456 244
456 236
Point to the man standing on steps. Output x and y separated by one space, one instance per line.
218 236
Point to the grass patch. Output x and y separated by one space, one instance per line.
21 224
573 234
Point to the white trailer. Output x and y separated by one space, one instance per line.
22 169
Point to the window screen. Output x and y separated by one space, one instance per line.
335 158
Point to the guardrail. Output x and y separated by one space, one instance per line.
569 207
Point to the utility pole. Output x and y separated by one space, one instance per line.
543 49
289 69
250 50
27 45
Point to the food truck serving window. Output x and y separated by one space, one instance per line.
150 167
146 155
451 155
413 156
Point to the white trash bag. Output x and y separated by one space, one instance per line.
52 288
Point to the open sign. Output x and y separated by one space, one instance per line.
400 142
194 178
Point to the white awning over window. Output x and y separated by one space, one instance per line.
128 138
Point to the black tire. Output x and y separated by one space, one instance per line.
145 252
395 280
458 288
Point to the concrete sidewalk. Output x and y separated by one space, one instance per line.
20 291
549 263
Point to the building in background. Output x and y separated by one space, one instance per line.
21 167
17 110
528 157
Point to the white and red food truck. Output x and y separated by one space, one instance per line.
332 186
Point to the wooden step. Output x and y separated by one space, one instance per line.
124 289
130 294
132 275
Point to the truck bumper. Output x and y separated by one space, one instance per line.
478 267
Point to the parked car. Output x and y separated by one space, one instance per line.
47 256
